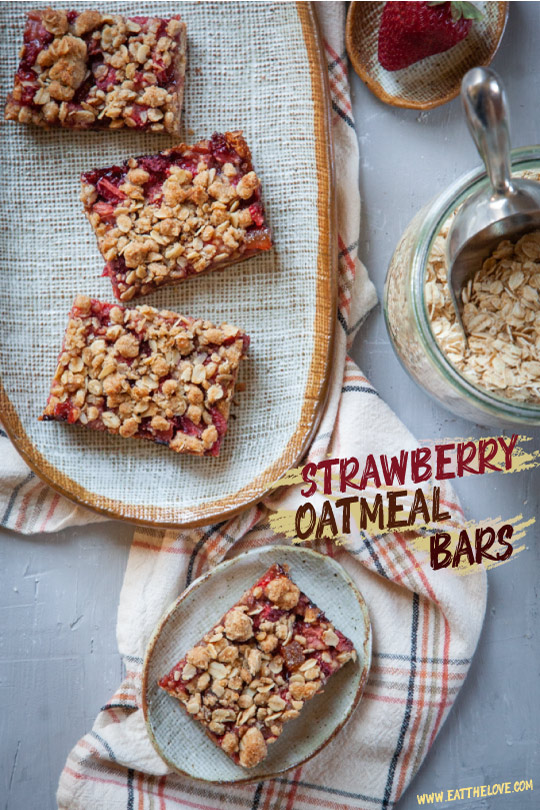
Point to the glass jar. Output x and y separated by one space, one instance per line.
407 315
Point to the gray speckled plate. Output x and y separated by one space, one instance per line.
179 739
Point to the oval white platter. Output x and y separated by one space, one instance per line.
252 66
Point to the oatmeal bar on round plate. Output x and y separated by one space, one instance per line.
149 374
254 670
87 70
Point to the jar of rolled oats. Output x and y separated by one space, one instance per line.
494 377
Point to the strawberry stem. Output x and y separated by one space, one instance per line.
459 9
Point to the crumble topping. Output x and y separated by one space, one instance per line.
253 671
90 70
238 626
161 218
154 375
252 748
283 593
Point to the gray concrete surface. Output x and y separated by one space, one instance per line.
58 594
407 157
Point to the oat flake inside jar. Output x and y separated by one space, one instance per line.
496 378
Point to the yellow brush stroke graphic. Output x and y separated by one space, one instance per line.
420 537
421 543
523 460
325 515
292 476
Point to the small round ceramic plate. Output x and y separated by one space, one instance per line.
432 81
179 739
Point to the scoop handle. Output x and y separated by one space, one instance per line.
486 111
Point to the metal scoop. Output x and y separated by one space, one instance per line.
509 207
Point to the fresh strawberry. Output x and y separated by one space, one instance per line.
412 31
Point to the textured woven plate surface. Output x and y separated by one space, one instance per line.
251 66
432 81
179 739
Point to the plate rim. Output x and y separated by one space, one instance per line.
399 101
317 385
367 652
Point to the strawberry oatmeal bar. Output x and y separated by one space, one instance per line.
253 671
89 71
160 219
149 374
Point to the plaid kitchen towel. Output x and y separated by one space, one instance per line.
425 624
28 505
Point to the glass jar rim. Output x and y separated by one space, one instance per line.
440 209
